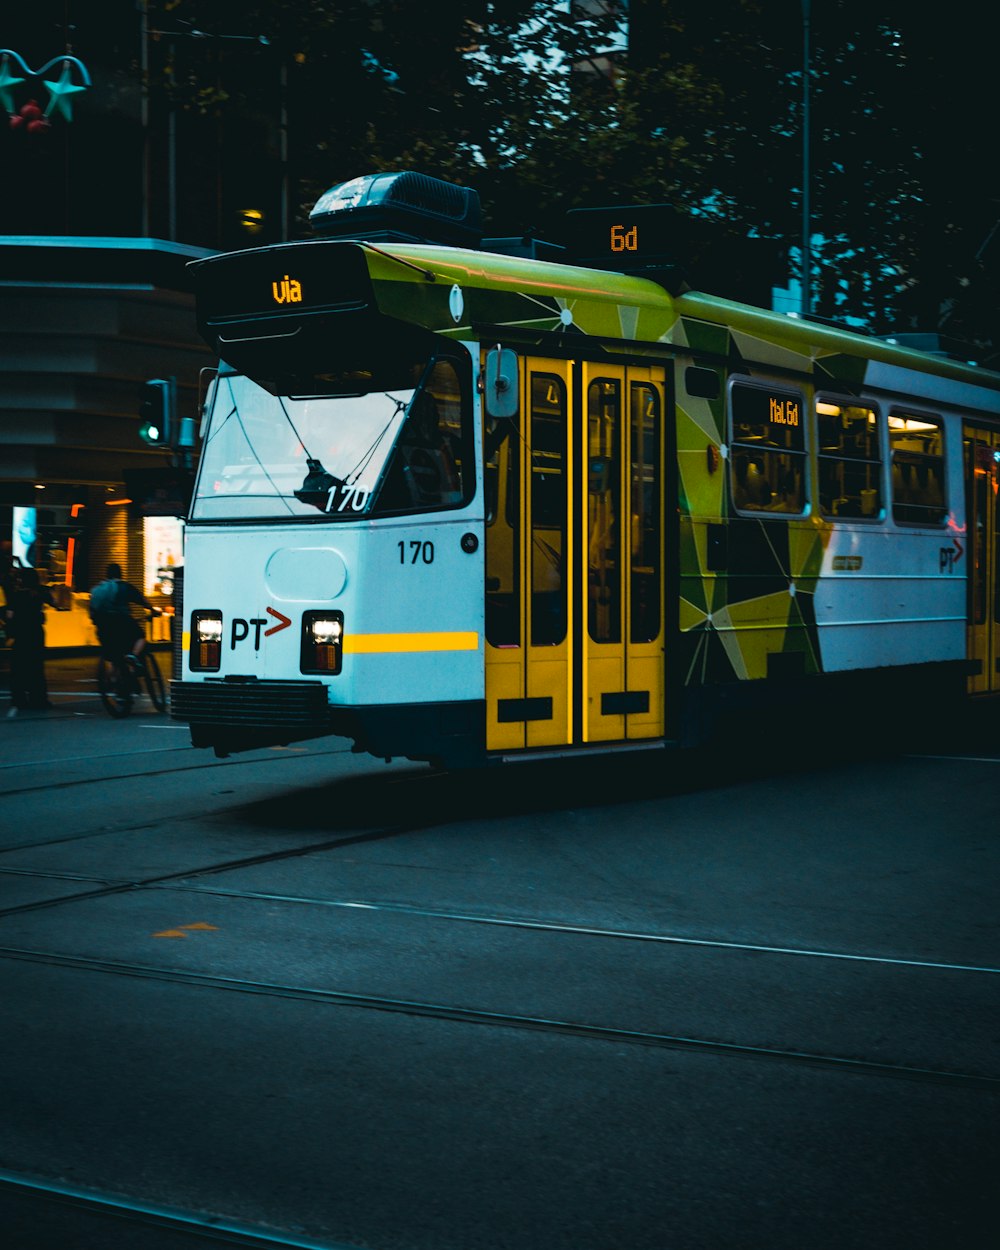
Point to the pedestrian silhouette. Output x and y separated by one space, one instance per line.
26 622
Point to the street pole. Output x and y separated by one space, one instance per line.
285 209
147 174
806 274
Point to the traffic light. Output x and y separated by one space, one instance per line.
156 411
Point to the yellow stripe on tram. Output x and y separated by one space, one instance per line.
372 644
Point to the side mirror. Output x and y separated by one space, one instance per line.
206 396
501 390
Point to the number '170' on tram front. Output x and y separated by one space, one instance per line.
467 506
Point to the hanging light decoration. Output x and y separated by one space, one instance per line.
30 117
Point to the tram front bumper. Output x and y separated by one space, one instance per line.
242 715
246 714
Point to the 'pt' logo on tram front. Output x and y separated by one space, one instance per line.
287 291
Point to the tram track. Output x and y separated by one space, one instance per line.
470 1015
548 926
246 861
176 881
189 881
457 1013
182 1228
104 779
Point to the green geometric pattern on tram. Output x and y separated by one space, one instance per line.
773 624
701 493
806 543
704 336
694 585
839 368
772 350
654 323
731 622
639 315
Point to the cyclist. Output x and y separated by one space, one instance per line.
118 631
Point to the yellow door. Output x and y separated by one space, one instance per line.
529 564
982 466
621 554
574 550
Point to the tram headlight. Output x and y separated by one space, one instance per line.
322 642
206 642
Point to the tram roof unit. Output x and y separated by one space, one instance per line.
469 293
408 248
605 304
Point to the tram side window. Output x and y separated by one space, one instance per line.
980 463
850 460
433 463
767 449
604 505
647 513
918 482
503 541
548 510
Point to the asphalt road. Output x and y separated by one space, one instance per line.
743 1000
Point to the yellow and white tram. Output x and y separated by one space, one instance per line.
467 507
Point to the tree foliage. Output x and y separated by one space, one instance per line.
705 113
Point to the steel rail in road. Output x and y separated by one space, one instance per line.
473 1015
194 1225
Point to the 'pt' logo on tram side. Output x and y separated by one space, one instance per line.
287 291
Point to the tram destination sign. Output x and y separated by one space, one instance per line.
307 277
626 238
767 415
677 249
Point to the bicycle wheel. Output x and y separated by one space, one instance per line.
115 686
154 681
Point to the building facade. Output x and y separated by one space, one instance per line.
85 322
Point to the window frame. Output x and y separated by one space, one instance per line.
881 440
906 413
803 455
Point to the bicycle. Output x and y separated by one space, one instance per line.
121 677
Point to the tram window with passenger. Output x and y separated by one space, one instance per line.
768 449
647 512
604 509
432 466
548 510
849 442
918 481
503 554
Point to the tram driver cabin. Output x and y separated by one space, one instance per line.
469 507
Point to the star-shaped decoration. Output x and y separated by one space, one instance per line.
7 81
61 92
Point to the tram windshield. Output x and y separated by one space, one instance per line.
405 448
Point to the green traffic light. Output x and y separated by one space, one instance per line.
156 411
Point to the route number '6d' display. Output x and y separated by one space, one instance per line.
624 239
471 507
